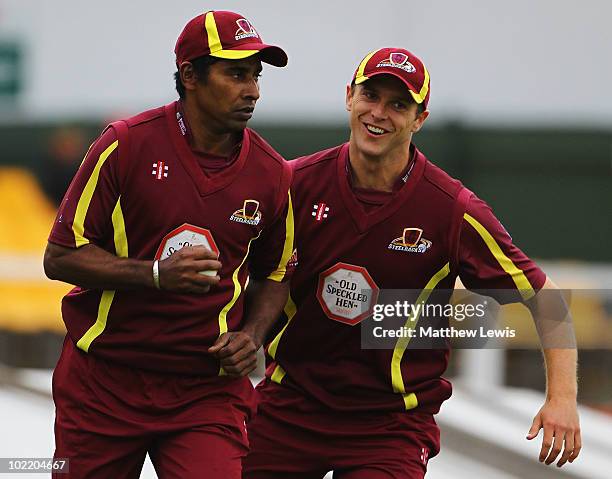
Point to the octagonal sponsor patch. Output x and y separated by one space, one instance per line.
185 235
347 293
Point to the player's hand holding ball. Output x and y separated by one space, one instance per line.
192 269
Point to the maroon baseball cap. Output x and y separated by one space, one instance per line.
226 35
401 64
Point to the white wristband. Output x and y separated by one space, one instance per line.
156 274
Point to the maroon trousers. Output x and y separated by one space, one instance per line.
108 417
290 437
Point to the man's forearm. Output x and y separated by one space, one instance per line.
561 380
265 302
92 267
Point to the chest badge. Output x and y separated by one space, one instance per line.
160 170
249 213
320 211
347 293
411 241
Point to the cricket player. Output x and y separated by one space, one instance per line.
169 214
369 215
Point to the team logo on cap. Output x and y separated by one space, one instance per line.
249 213
397 60
245 29
411 241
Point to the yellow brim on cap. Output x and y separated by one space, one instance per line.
233 54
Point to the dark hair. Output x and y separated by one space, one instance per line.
201 66
420 107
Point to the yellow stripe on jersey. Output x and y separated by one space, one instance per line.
120 237
410 400
519 278
290 310
98 327
121 249
237 291
279 372
280 272
78 225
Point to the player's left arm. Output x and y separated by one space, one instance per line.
489 260
266 296
559 414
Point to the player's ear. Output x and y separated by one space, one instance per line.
349 97
188 75
420 119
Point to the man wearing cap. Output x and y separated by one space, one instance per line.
370 215
169 214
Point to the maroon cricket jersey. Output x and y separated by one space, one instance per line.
141 193
430 231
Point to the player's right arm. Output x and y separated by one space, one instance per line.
81 248
92 267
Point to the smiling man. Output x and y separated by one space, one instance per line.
375 214
159 231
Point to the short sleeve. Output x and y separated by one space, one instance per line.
489 260
270 258
86 213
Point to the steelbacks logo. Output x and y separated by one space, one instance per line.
398 60
249 213
411 241
245 29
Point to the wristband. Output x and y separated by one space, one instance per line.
156 274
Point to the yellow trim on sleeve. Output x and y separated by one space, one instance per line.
237 291
78 225
520 280
121 249
214 42
281 270
410 400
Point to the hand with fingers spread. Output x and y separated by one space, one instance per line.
183 272
559 419
237 353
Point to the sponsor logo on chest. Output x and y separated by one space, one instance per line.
411 241
347 293
249 213
185 235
